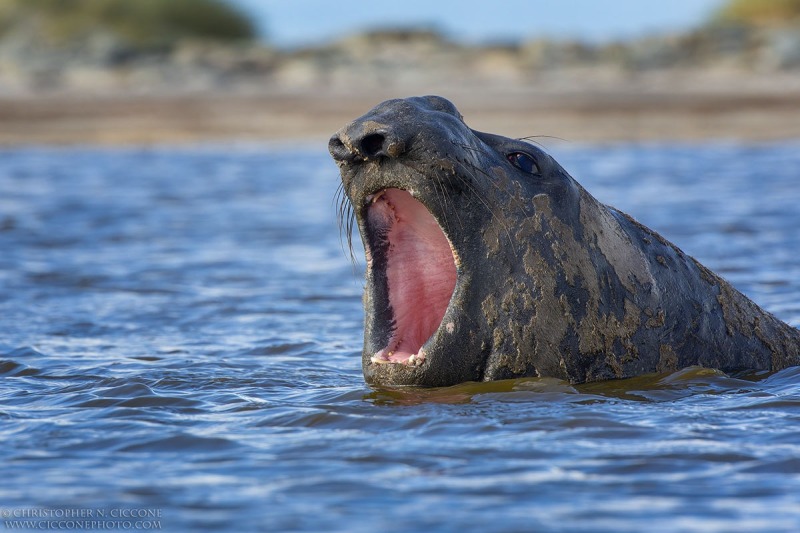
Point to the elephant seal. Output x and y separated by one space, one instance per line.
487 261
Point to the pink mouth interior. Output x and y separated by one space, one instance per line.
420 271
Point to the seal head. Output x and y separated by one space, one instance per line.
486 260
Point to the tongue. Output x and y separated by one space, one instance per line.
420 270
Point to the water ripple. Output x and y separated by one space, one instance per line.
182 331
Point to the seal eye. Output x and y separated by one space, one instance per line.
523 161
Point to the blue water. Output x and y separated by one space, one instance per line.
181 336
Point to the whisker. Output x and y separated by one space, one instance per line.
441 197
492 179
472 148
483 200
441 193
466 166
531 139
346 221
445 206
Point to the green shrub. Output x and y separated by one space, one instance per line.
759 11
139 23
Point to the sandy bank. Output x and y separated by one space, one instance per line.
609 114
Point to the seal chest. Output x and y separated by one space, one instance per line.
486 260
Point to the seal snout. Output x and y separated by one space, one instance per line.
367 140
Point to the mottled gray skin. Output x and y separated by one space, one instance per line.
551 282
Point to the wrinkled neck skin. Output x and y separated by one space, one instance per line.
478 270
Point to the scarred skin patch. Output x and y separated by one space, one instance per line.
549 281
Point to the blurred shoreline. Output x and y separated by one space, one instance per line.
613 114
724 83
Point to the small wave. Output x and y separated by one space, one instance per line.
182 443
279 347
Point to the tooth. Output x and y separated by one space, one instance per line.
416 359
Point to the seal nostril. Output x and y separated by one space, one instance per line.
338 149
372 145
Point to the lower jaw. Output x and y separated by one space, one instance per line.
399 353
391 357
395 374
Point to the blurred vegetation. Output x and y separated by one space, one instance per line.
759 12
141 24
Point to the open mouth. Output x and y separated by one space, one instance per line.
414 267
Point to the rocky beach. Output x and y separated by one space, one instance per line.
718 82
